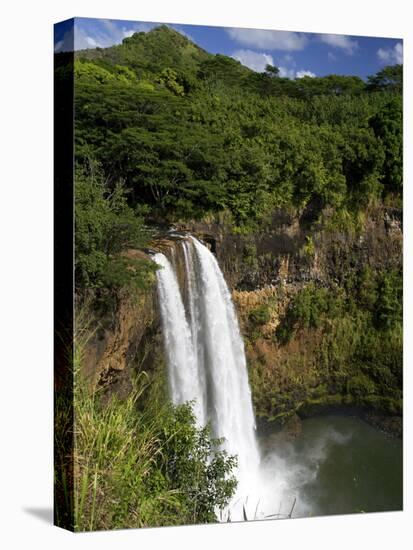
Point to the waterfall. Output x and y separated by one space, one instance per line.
182 364
206 358
195 320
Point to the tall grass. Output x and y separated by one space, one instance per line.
135 462
116 451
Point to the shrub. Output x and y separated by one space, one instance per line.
138 461
150 468
360 385
309 309
105 226
260 315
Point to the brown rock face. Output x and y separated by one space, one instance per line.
295 249
130 340
111 349
264 271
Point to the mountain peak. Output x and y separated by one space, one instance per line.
161 32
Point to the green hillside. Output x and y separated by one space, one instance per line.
298 184
187 134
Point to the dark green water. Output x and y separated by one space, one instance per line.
337 465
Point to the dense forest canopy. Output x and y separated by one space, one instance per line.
185 133
166 132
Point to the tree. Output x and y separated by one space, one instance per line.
169 78
333 84
272 71
196 133
390 302
105 226
196 467
387 125
390 78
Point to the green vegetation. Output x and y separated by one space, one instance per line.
260 315
308 309
390 78
105 228
190 133
388 127
166 132
343 346
139 461
145 468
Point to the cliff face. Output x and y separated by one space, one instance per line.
128 339
311 369
320 365
124 341
294 249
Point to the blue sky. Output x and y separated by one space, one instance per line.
296 54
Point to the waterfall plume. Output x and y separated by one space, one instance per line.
206 358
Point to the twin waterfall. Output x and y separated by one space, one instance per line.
206 358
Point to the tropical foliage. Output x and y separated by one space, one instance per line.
166 132
189 133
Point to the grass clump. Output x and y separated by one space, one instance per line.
139 461
141 468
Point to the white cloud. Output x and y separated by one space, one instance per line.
58 46
341 41
76 38
257 61
83 41
106 34
66 43
254 60
331 56
302 74
269 40
127 33
141 27
287 73
91 41
391 55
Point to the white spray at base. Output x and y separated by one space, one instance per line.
206 363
